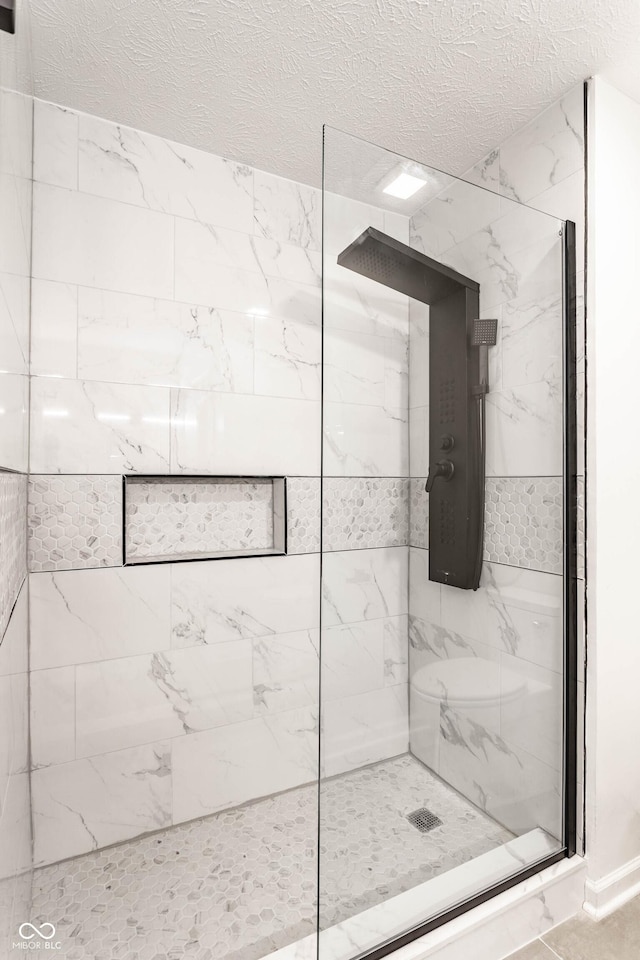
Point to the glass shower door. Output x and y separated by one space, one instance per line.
447 602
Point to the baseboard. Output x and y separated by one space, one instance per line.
604 896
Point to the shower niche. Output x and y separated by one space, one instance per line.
175 518
458 383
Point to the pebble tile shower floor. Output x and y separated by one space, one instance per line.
240 884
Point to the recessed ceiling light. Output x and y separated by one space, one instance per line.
404 186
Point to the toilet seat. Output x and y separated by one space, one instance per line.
467 682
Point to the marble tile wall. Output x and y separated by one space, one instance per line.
176 319
166 692
176 330
16 142
507 759
364 664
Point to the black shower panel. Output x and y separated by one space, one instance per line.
457 385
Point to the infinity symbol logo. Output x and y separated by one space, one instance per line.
43 932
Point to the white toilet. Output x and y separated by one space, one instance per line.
474 687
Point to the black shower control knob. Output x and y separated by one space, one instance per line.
447 442
444 469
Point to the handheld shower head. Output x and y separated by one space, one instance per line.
485 333
483 336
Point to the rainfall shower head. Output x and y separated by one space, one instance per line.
485 333
388 261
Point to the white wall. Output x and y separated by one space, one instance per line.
613 469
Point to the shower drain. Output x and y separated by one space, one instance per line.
424 820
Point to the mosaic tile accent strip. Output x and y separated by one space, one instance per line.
361 512
241 884
171 519
13 541
74 522
303 509
418 513
523 522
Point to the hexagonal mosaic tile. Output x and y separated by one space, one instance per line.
523 522
241 884
75 521
363 512
13 541
171 518
303 514
418 513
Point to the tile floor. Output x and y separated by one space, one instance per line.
617 937
241 884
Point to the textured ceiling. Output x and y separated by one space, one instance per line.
440 80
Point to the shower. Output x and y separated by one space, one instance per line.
459 382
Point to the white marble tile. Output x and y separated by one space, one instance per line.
344 220
53 716
486 173
14 323
15 236
453 216
524 614
14 644
365 441
396 650
287 211
16 143
238 434
140 340
364 729
431 642
88 427
18 691
424 729
353 659
54 329
418 354
419 441
287 358
286 671
209 272
199 245
135 700
424 594
55 145
14 406
82 616
248 597
524 431
464 611
240 762
86 804
360 305
148 171
505 781
531 341
354 367
546 151
533 720
101 243
15 828
364 585
566 200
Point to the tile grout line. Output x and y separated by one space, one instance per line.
557 955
